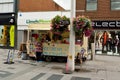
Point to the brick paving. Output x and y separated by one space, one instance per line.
102 68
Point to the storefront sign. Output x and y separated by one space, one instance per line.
106 24
37 21
7 18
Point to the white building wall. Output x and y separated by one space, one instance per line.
24 16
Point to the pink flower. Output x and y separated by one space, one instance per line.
50 25
78 27
57 26
88 32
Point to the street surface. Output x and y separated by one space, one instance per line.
102 68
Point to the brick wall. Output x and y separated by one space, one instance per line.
38 5
103 10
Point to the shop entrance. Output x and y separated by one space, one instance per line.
107 42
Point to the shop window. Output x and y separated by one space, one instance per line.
6 1
107 42
7 33
115 4
91 5
6 6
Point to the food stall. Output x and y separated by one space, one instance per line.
56 47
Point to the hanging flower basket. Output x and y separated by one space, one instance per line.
82 26
59 24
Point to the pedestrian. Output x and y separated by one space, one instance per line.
38 49
79 58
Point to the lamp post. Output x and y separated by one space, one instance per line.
71 55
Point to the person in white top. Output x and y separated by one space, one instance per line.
116 44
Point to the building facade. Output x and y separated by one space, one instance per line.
34 12
106 22
39 5
103 13
99 9
95 9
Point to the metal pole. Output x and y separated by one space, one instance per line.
15 10
70 66
93 47
28 35
71 56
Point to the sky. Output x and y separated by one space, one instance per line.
64 3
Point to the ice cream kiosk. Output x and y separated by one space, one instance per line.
56 39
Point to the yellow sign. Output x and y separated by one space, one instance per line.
65 34
58 49
7 35
12 28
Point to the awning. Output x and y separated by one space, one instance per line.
39 27
62 3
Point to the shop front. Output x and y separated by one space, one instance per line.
107 37
8 30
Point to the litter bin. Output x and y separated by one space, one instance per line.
24 56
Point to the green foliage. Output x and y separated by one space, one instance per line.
56 19
59 25
82 25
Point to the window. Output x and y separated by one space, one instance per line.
91 5
6 6
115 4
6 1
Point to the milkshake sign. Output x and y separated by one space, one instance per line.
106 24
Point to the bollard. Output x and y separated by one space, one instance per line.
93 51
10 57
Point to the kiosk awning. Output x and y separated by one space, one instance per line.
39 27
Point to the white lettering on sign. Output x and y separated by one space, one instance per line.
112 24
105 24
98 25
117 24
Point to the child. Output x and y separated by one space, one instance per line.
79 58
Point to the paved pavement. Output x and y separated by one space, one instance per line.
102 68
